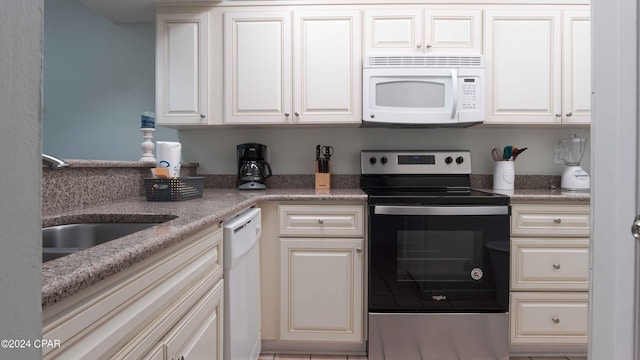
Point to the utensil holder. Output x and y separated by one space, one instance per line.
503 175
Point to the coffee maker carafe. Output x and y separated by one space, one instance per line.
253 166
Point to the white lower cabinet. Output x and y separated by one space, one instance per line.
549 296
198 335
166 307
312 261
321 289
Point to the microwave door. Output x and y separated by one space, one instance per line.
423 98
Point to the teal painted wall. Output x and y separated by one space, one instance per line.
98 78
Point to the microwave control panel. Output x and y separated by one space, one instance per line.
469 89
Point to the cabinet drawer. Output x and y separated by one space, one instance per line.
549 264
321 220
550 220
549 318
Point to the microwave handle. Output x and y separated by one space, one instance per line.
454 79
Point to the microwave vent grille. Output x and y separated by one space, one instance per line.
425 61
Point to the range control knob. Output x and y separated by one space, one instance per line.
383 160
373 160
459 160
448 160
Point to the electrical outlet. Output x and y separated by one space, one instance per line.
557 155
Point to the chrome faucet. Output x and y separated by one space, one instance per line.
53 162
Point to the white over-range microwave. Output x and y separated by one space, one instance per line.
423 90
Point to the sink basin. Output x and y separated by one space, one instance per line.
63 240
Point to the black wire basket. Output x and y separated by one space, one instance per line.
175 189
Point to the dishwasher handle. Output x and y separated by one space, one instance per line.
440 210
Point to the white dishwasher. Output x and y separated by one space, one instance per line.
242 339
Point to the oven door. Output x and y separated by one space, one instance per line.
438 258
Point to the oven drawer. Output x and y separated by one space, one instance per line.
549 264
321 220
549 318
549 220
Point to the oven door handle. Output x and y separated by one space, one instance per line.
440 210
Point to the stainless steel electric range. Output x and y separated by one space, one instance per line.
438 258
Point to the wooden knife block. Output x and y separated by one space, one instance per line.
323 180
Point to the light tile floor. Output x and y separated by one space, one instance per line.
351 357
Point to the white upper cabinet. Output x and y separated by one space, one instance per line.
257 63
538 70
576 66
423 30
182 68
284 67
327 67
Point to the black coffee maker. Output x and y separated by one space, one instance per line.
253 166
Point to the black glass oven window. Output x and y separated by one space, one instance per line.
431 256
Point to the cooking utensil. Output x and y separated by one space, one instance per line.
507 152
518 152
496 154
318 152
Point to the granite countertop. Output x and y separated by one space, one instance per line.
66 276
542 194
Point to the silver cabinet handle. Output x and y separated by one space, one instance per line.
555 320
320 221
201 116
557 220
358 250
286 114
558 115
419 46
296 113
568 114
556 266
428 46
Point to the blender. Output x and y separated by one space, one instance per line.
569 151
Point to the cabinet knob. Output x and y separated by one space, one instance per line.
320 221
358 250
286 114
296 113
428 46
568 114
419 46
556 266
201 116
557 220
558 115
555 320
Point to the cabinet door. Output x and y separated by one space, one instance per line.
327 68
199 334
453 31
523 54
576 68
182 68
257 63
321 289
389 31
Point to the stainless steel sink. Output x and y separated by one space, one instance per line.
63 240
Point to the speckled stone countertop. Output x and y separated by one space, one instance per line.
66 276
542 194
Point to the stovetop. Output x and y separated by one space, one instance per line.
422 177
434 197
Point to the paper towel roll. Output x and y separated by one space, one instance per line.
169 155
